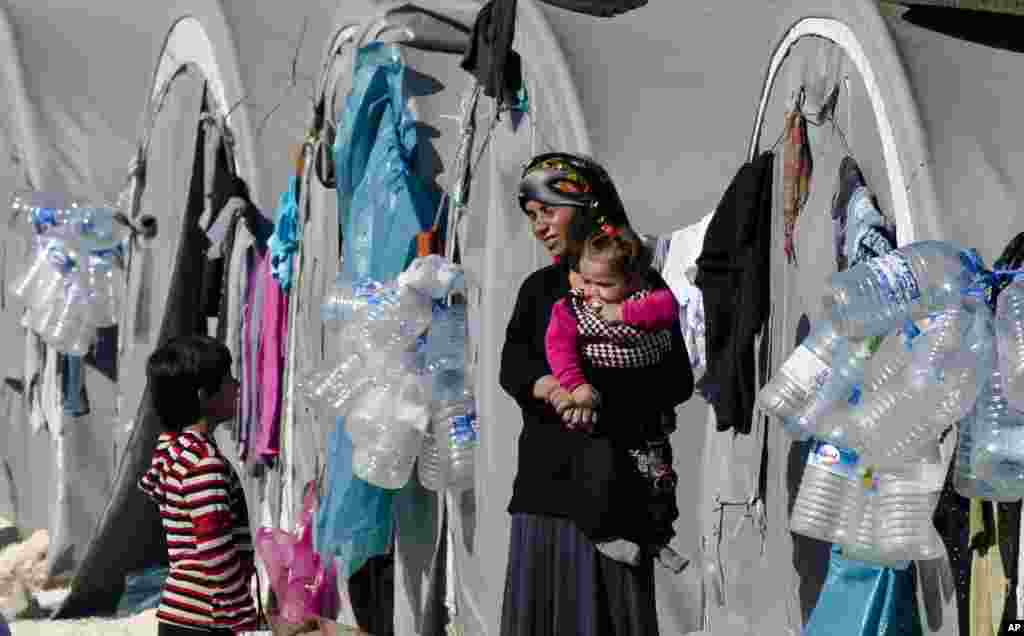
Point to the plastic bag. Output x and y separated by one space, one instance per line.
305 583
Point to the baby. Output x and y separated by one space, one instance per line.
614 322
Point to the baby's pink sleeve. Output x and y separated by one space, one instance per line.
655 312
561 345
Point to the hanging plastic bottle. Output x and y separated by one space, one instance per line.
906 506
1009 327
800 378
819 500
874 297
988 460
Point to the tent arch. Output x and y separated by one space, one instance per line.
859 30
202 37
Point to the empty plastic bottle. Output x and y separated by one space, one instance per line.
1009 326
992 461
874 297
819 500
906 506
800 378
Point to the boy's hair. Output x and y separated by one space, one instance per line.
620 246
179 370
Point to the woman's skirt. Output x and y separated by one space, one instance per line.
559 584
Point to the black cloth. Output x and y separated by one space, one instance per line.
591 479
490 57
558 584
166 629
733 273
599 8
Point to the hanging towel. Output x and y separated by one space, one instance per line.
272 344
733 276
796 176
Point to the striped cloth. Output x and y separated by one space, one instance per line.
617 345
209 547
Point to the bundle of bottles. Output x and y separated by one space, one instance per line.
400 383
72 284
910 346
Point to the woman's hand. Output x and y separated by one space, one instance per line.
544 386
586 395
580 418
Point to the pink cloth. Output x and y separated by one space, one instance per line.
659 310
273 342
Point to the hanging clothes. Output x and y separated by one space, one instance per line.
273 338
599 8
988 581
679 271
284 242
490 58
73 394
796 175
733 276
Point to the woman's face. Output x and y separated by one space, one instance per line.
550 225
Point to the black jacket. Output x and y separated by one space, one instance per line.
733 273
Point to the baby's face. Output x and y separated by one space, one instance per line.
601 282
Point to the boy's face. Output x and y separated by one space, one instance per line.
224 405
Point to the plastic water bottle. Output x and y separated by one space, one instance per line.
387 428
1009 326
876 296
819 500
842 388
992 462
800 378
906 505
944 381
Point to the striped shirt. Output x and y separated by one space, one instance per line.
209 547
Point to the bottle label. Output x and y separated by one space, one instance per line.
896 279
838 461
807 370
464 429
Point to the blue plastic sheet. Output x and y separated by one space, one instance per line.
864 600
355 519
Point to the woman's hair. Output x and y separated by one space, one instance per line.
179 371
620 246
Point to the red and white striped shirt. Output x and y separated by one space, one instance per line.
208 542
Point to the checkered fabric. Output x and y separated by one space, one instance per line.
620 346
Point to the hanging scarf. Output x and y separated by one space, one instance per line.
619 345
796 177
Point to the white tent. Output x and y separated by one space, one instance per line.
664 96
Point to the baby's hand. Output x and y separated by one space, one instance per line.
587 396
560 399
611 312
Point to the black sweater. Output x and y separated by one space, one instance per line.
551 478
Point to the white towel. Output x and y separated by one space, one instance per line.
679 272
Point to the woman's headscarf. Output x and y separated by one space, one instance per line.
564 179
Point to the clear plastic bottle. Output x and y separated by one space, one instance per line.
800 378
874 297
993 462
1009 327
819 499
387 431
906 506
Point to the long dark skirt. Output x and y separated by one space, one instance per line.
559 584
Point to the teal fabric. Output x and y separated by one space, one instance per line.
860 599
284 242
142 591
